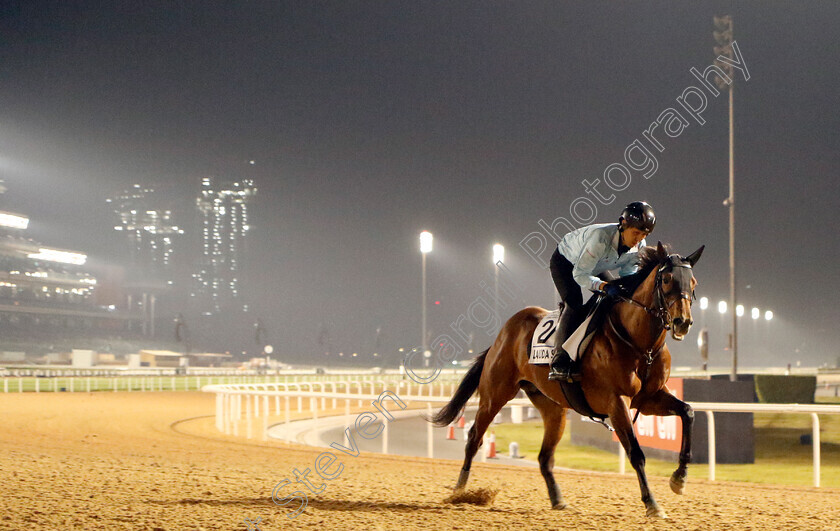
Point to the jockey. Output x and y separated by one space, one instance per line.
589 251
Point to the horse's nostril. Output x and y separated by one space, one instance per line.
678 321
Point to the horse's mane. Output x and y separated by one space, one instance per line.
649 257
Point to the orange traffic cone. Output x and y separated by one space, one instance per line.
450 433
461 421
491 450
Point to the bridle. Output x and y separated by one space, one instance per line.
660 309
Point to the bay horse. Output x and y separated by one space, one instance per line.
626 365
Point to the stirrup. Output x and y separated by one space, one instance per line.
563 373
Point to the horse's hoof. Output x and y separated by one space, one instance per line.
677 485
559 506
655 512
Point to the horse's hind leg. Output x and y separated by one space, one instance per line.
554 420
487 410
663 403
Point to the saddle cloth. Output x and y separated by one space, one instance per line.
544 340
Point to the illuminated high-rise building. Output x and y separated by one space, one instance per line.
225 218
143 215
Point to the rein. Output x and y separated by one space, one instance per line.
660 310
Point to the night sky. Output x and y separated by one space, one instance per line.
371 121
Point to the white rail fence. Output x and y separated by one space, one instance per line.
230 398
710 408
88 380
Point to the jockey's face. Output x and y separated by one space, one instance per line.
631 236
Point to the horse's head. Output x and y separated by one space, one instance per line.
675 290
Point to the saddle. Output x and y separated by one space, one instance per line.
597 309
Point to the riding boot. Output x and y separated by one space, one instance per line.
562 367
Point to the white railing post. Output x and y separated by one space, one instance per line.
346 415
248 400
385 423
235 409
264 436
219 412
430 440
815 440
710 415
286 432
300 400
622 459
226 412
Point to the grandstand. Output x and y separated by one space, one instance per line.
52 302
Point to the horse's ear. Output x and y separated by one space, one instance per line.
660 250
693 257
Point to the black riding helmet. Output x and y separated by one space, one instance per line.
639 215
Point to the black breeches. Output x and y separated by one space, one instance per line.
570 294
561 273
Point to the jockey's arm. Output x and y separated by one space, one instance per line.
592 251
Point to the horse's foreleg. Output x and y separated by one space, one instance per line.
663 404
620 418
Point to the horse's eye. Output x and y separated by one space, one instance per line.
667 277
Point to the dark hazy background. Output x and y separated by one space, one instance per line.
371 121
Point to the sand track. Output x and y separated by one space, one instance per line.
155 461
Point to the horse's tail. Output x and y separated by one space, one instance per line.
465 390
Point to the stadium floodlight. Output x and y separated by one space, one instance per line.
55 255
426 242
722 307
13 221
739 310
768 315
498 253
755 313
704 303
425 248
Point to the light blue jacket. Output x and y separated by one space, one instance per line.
594 249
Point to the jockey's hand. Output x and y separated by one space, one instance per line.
612 289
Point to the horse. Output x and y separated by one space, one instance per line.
625 365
